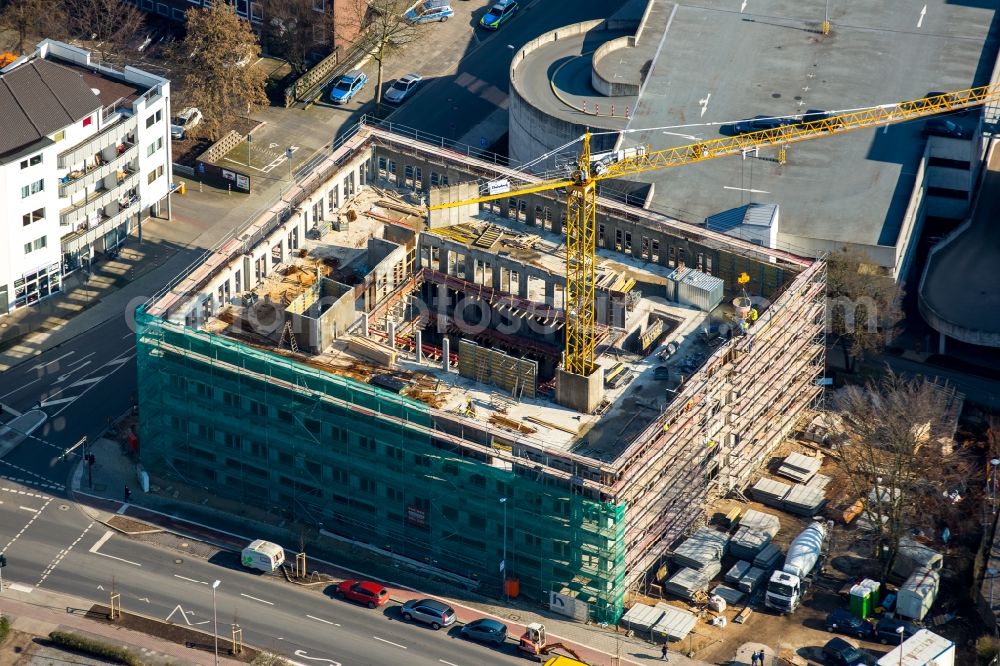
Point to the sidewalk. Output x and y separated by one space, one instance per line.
43 612
205 522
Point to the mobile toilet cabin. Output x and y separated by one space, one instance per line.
263 555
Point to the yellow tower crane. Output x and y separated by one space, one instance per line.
581 188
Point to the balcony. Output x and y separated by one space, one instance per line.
111 136
72 215
87 235
92 172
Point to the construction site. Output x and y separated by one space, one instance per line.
406 379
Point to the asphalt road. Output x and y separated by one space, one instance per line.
50 544
453 105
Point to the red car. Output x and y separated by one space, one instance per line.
364 592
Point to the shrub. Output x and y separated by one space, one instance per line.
4 628
89 646
268 659
987 649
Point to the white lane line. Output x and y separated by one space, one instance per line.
63 377
389 642
120 559
17 587
447 662
744 189
28 508
130 334
319 619
59 401
25 528
45 365
84 382
269 603
81 360
190 580
120 362
24 385
103 540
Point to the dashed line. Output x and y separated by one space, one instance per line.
389 642
447 662
319 619
26 494
44 481
26 526
62 553
269 603
190 580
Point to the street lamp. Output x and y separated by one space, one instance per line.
993 483
899 630
503 562
215 616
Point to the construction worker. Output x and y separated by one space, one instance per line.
665 653
128 493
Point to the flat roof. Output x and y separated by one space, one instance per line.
771 60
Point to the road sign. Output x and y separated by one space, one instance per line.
249 138
288 153
201 167
502 563
483 142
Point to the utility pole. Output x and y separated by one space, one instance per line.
215 615
503 562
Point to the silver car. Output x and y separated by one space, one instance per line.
402 88
429 612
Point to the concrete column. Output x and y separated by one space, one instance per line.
419 339
497 276
364 324
941 339
445 355
470 268
392 334
550 292
443 254
522 283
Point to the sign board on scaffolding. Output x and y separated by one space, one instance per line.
569 606
498 186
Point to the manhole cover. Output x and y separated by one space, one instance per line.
64 507
178 561
514 617
776 95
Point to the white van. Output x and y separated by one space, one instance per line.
263 555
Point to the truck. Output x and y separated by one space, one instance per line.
787 585
262 555
924 648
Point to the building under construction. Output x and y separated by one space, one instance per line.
351 361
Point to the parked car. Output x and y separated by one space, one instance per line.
429 611
886 631
759 123
348 86
429 11
402 88
184 121
838 652
843 621
485 630
943 127
363 592
498 14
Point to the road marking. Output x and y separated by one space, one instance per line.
389 642
302 654
17 587
103 540
80 360
8 409
26 526
63 377
84 382
744 189
59 558
28 508
122 509
45 365
319 619
184 614
269 603
118 361
44 483
703 103
58 401
191 580
447 662
130 334
923 12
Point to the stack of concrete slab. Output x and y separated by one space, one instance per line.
767 559
641 618
737 571
752 579
703 548
769 491
754 533
687 582
804 500
731 596
799 467
675 624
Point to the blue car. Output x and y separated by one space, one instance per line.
348 86
843 621
430 11
498 14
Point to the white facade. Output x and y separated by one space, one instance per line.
82 188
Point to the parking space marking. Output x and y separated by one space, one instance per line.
59 557
390 642
269 603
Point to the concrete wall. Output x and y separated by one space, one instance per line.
321 315
606 80
389 269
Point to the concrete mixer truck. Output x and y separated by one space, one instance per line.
788 584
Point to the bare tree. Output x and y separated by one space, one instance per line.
380 27
217 63
30 19
292 31
111 24
863 305
898 456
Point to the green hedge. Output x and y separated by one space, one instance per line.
95 648
4 628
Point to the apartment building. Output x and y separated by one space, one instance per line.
84 156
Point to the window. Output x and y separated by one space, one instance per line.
154 118
34 188
88 121
256 12
312 425
37 244
230 399
435 179
59 136
367 443
31 161
285 458
285 416
27 248
258 408
367 485
155 146
154 174
233 441
33 216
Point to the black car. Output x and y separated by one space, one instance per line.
943 127
838 652
887 630
759 123
842 621
485 630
